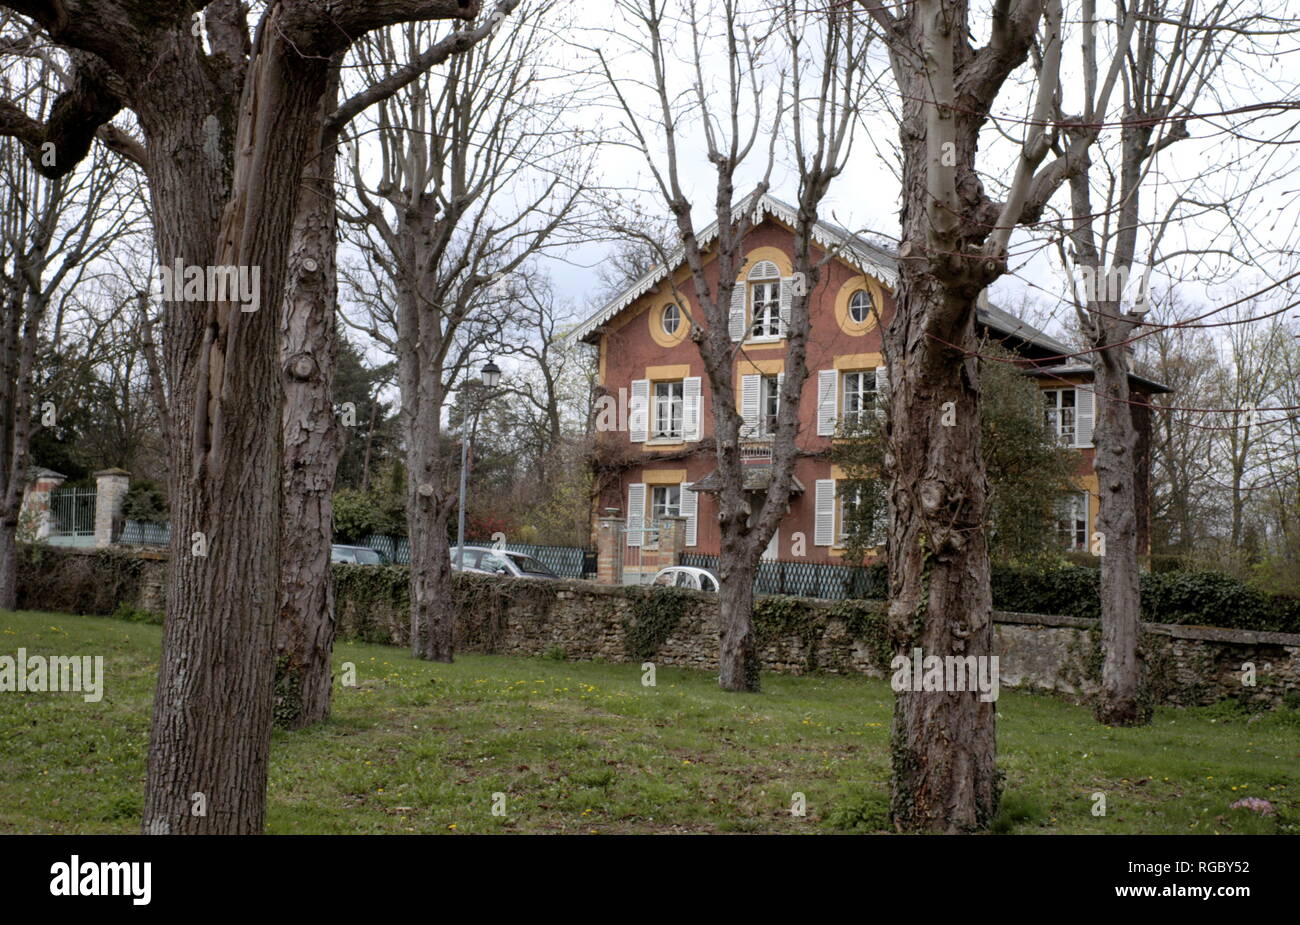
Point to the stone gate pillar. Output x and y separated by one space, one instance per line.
110 493
609 550
672 540
36 502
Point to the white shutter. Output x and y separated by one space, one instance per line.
750 387
780 391
638 418
827 401
737 318
1084 415
882 391
691 408
635 513
690 510
824 513
787 298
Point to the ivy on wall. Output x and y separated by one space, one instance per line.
653 615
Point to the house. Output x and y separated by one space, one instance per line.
663 450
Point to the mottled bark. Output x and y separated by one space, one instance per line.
305 630
738 662
1119 703
944 743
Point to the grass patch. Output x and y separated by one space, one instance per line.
579 747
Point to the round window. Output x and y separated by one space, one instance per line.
860 306
672 319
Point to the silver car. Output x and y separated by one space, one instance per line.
358 555
485 560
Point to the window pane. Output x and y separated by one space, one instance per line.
766 309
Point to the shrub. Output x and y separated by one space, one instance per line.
358 515
144 501
99 582
1189 598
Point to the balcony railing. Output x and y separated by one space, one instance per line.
756 451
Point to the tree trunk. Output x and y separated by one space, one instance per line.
432 611
738 665
8 563
223 194
1119 703
428 505
945 776
305 631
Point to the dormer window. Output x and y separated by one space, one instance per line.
1059 414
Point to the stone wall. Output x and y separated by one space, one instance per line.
581 620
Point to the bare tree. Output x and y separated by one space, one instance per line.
227 114
51 230
1177 50
477 175
819 62
954 245
312 433
1183 452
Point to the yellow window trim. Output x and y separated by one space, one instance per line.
842 316
850 362
747 367
662 477
663 373
661 337
784 265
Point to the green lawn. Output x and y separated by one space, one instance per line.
585 748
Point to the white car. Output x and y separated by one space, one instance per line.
686 576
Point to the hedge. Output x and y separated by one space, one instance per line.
81 582
1186 597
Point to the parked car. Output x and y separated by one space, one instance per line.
358 555
686 576
486 560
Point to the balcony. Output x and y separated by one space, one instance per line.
756 452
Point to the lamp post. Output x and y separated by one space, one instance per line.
490 376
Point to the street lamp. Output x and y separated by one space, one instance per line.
490 376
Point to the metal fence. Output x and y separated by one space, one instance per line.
565 561
72 512
807 579
142 533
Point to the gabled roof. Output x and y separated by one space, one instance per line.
867 256
1084 369
852 249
